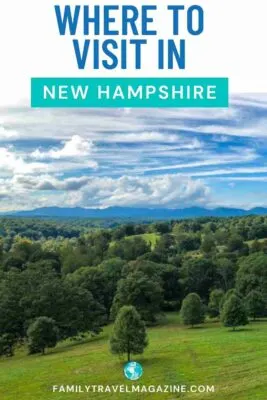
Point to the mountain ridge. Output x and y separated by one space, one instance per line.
136 213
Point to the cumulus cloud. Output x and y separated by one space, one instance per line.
14 163
75 147
154 191
10 162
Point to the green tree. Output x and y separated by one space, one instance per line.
129 333
75 258
165 245
42 334
111 269
161 227
93 280
129 249
192 311
215 300
226 271
72 307
252 274
13 261
221 236
208 244
255 246
234 313
11 311
1 248
7 343
236 245
188 242
139 291
227 295
255 304
198 275
166 274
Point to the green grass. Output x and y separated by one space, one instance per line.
150 238
249 242
234 362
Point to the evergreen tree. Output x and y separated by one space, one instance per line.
234 313
255 304
129 333
42 333
192 311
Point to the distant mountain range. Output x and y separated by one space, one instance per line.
135 213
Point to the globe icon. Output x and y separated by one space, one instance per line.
133 370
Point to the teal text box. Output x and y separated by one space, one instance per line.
129 92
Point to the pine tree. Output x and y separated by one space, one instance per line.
234 313
129 333
192 311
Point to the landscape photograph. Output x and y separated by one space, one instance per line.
134 237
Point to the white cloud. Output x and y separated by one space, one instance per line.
245 178
142 144
231 171
138 137
48 182
154 191
10 162
14 163
138 125
208 159
251 129
8 133
75 147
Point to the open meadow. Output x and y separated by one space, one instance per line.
234 362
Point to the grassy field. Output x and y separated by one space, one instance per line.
234 362
150 238
249 242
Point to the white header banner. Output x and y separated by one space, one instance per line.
226 41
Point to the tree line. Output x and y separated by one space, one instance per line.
65 287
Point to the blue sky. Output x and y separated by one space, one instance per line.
140 158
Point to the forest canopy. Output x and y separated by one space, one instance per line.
74 276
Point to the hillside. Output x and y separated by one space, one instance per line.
234 363
64 281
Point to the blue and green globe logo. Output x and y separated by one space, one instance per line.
133 370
